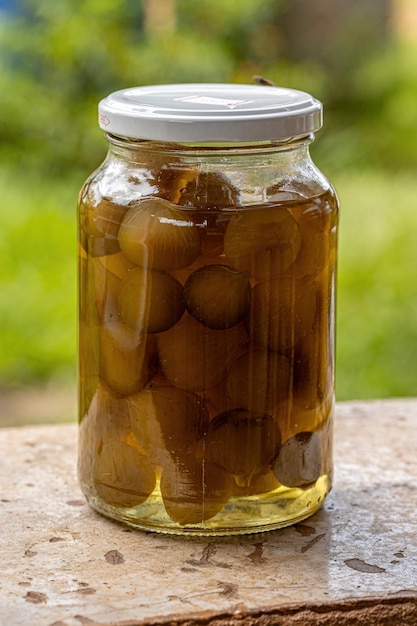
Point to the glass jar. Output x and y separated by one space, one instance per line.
207 253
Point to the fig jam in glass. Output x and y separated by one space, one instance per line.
207 253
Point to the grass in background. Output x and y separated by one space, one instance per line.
377 293
377 286
37 279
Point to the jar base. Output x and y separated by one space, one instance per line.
240 516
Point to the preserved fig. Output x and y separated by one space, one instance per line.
169 176
317 231
195 357
193 492
150 301
100 220
282 312
127 359
242 443
314 360
107 418
260 381
105 289
155 234
88 365
122 476
209 190
263 242
299 460
117 264
218 296
165 420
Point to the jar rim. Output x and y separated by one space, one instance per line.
207 148
210 112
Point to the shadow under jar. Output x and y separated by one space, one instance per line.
207 253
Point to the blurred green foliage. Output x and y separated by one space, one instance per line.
37 278
377 286
58 59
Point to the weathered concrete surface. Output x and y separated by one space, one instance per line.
354 562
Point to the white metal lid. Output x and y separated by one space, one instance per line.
210 113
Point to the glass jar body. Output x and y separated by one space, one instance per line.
206 336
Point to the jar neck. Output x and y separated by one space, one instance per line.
280 171
134 149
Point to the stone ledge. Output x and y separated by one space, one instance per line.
353 562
